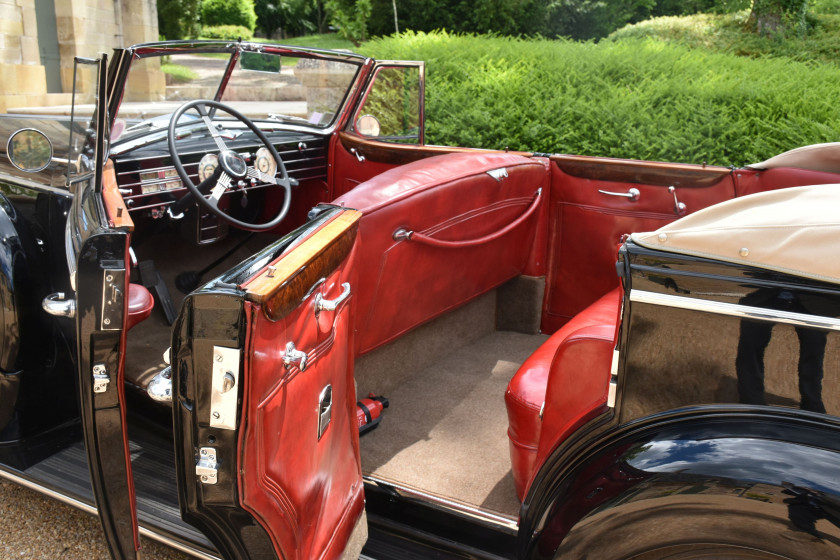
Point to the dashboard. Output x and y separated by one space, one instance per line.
148 181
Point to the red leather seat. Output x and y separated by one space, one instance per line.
140 304
570 374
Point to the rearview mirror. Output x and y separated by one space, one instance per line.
259 62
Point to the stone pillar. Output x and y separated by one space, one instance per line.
140 26
21 73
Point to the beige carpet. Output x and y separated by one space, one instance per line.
445 431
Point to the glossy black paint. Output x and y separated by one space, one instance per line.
37 356
606 478
740 477
434 532
718 358
102 413
213 316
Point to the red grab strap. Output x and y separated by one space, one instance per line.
425 239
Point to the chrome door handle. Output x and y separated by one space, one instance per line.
358 155
632 194
324 410
322 304
294 356
55 304
679 207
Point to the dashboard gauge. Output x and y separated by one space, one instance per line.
207 166
264 162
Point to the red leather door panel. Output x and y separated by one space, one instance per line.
474 218
300 478
587 224
751 181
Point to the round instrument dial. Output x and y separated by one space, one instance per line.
207 166
264 161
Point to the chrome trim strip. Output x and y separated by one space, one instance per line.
28 183
736 310
509 524
87 508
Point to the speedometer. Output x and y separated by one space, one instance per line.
207 166
265 163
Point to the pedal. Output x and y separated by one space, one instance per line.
153 281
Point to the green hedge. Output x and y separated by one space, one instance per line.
227 32
634 98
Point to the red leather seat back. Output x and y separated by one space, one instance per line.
461 207
570 374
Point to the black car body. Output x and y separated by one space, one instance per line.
667 415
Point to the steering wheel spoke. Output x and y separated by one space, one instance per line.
214 132
254 173
232 165
221 187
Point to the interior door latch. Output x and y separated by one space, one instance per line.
207 468
101 379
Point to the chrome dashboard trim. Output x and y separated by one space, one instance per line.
736 310
34 185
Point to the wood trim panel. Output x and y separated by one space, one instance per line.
641 172
115 206
282 285
399 154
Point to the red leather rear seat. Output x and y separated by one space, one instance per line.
570 373
140 304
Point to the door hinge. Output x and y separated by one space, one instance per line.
101 379
207 468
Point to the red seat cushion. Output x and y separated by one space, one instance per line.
588 335
140 304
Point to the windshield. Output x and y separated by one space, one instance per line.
297 90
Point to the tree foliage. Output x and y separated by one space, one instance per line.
228 12
778 16
286 17
178 19
350 18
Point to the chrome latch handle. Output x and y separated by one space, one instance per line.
322 304
679 207
294 356
207 467
358 155
55 304
633 194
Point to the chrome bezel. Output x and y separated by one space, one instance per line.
25 169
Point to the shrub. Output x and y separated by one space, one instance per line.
227 32
229 12
634 99
178 19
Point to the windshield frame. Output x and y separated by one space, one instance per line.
123 58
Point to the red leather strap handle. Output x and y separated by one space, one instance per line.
402 234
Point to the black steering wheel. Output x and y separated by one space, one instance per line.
232 168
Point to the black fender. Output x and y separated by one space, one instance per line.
12 267
722 480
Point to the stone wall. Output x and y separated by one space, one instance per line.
84 28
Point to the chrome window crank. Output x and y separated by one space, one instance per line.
294 356
679 207
322 304
632 194
358 155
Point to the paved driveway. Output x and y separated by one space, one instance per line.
38 528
